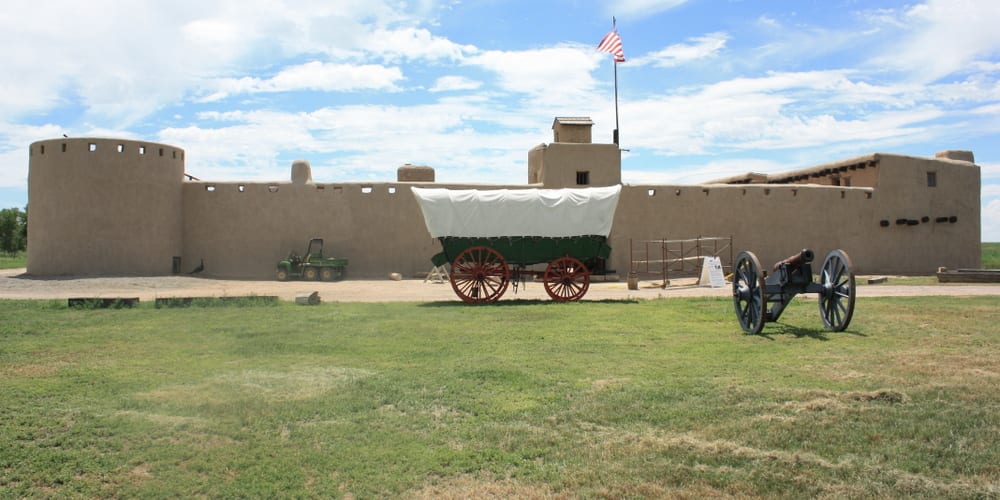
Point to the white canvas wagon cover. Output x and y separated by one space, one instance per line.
518 212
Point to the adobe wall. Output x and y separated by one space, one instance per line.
903 226
104 207
943 222
241 230
116 211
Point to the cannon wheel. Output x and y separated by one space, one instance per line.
836 301
479 275
566 279
748 293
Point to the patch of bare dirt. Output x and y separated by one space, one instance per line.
15 284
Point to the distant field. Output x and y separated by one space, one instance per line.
991 255
13 261
663 398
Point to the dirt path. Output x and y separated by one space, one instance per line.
14 284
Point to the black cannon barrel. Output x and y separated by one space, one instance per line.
796 261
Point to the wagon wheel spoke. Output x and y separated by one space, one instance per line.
748 293
479 275
566 279
836 301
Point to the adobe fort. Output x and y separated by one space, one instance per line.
122 207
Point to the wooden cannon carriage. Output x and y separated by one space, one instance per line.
493 238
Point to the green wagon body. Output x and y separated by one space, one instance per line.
528 250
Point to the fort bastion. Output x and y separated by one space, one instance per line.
104 206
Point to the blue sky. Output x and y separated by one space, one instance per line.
710 88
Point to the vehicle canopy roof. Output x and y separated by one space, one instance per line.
518 212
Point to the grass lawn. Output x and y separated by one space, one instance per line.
595 399
15 261
991 255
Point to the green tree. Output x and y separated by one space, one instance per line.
24 228
13 230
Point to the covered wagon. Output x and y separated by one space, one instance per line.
492 238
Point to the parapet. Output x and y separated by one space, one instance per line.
414 173
301 172
956 154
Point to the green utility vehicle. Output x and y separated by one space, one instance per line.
313 266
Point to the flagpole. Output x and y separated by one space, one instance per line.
612 44
614 26
616 105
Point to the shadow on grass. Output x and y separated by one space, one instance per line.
800 332
525 302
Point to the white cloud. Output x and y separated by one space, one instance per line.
554 72
991 221
453 82
360 142
314 75
944 37
123 63
414 43
702 47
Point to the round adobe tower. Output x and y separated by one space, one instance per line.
104 207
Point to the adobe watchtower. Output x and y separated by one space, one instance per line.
105 207
572 160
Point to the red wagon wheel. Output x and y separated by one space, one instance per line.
566 279
479 275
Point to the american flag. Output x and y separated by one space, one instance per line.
612 44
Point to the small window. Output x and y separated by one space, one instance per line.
42 151
272 189
241 188
392 190
121 148
931 179
583 178
366 190
161 151
142 150
338 189
64 147
210 188
845 181
92 147
651 192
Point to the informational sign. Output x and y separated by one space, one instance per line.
711 273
